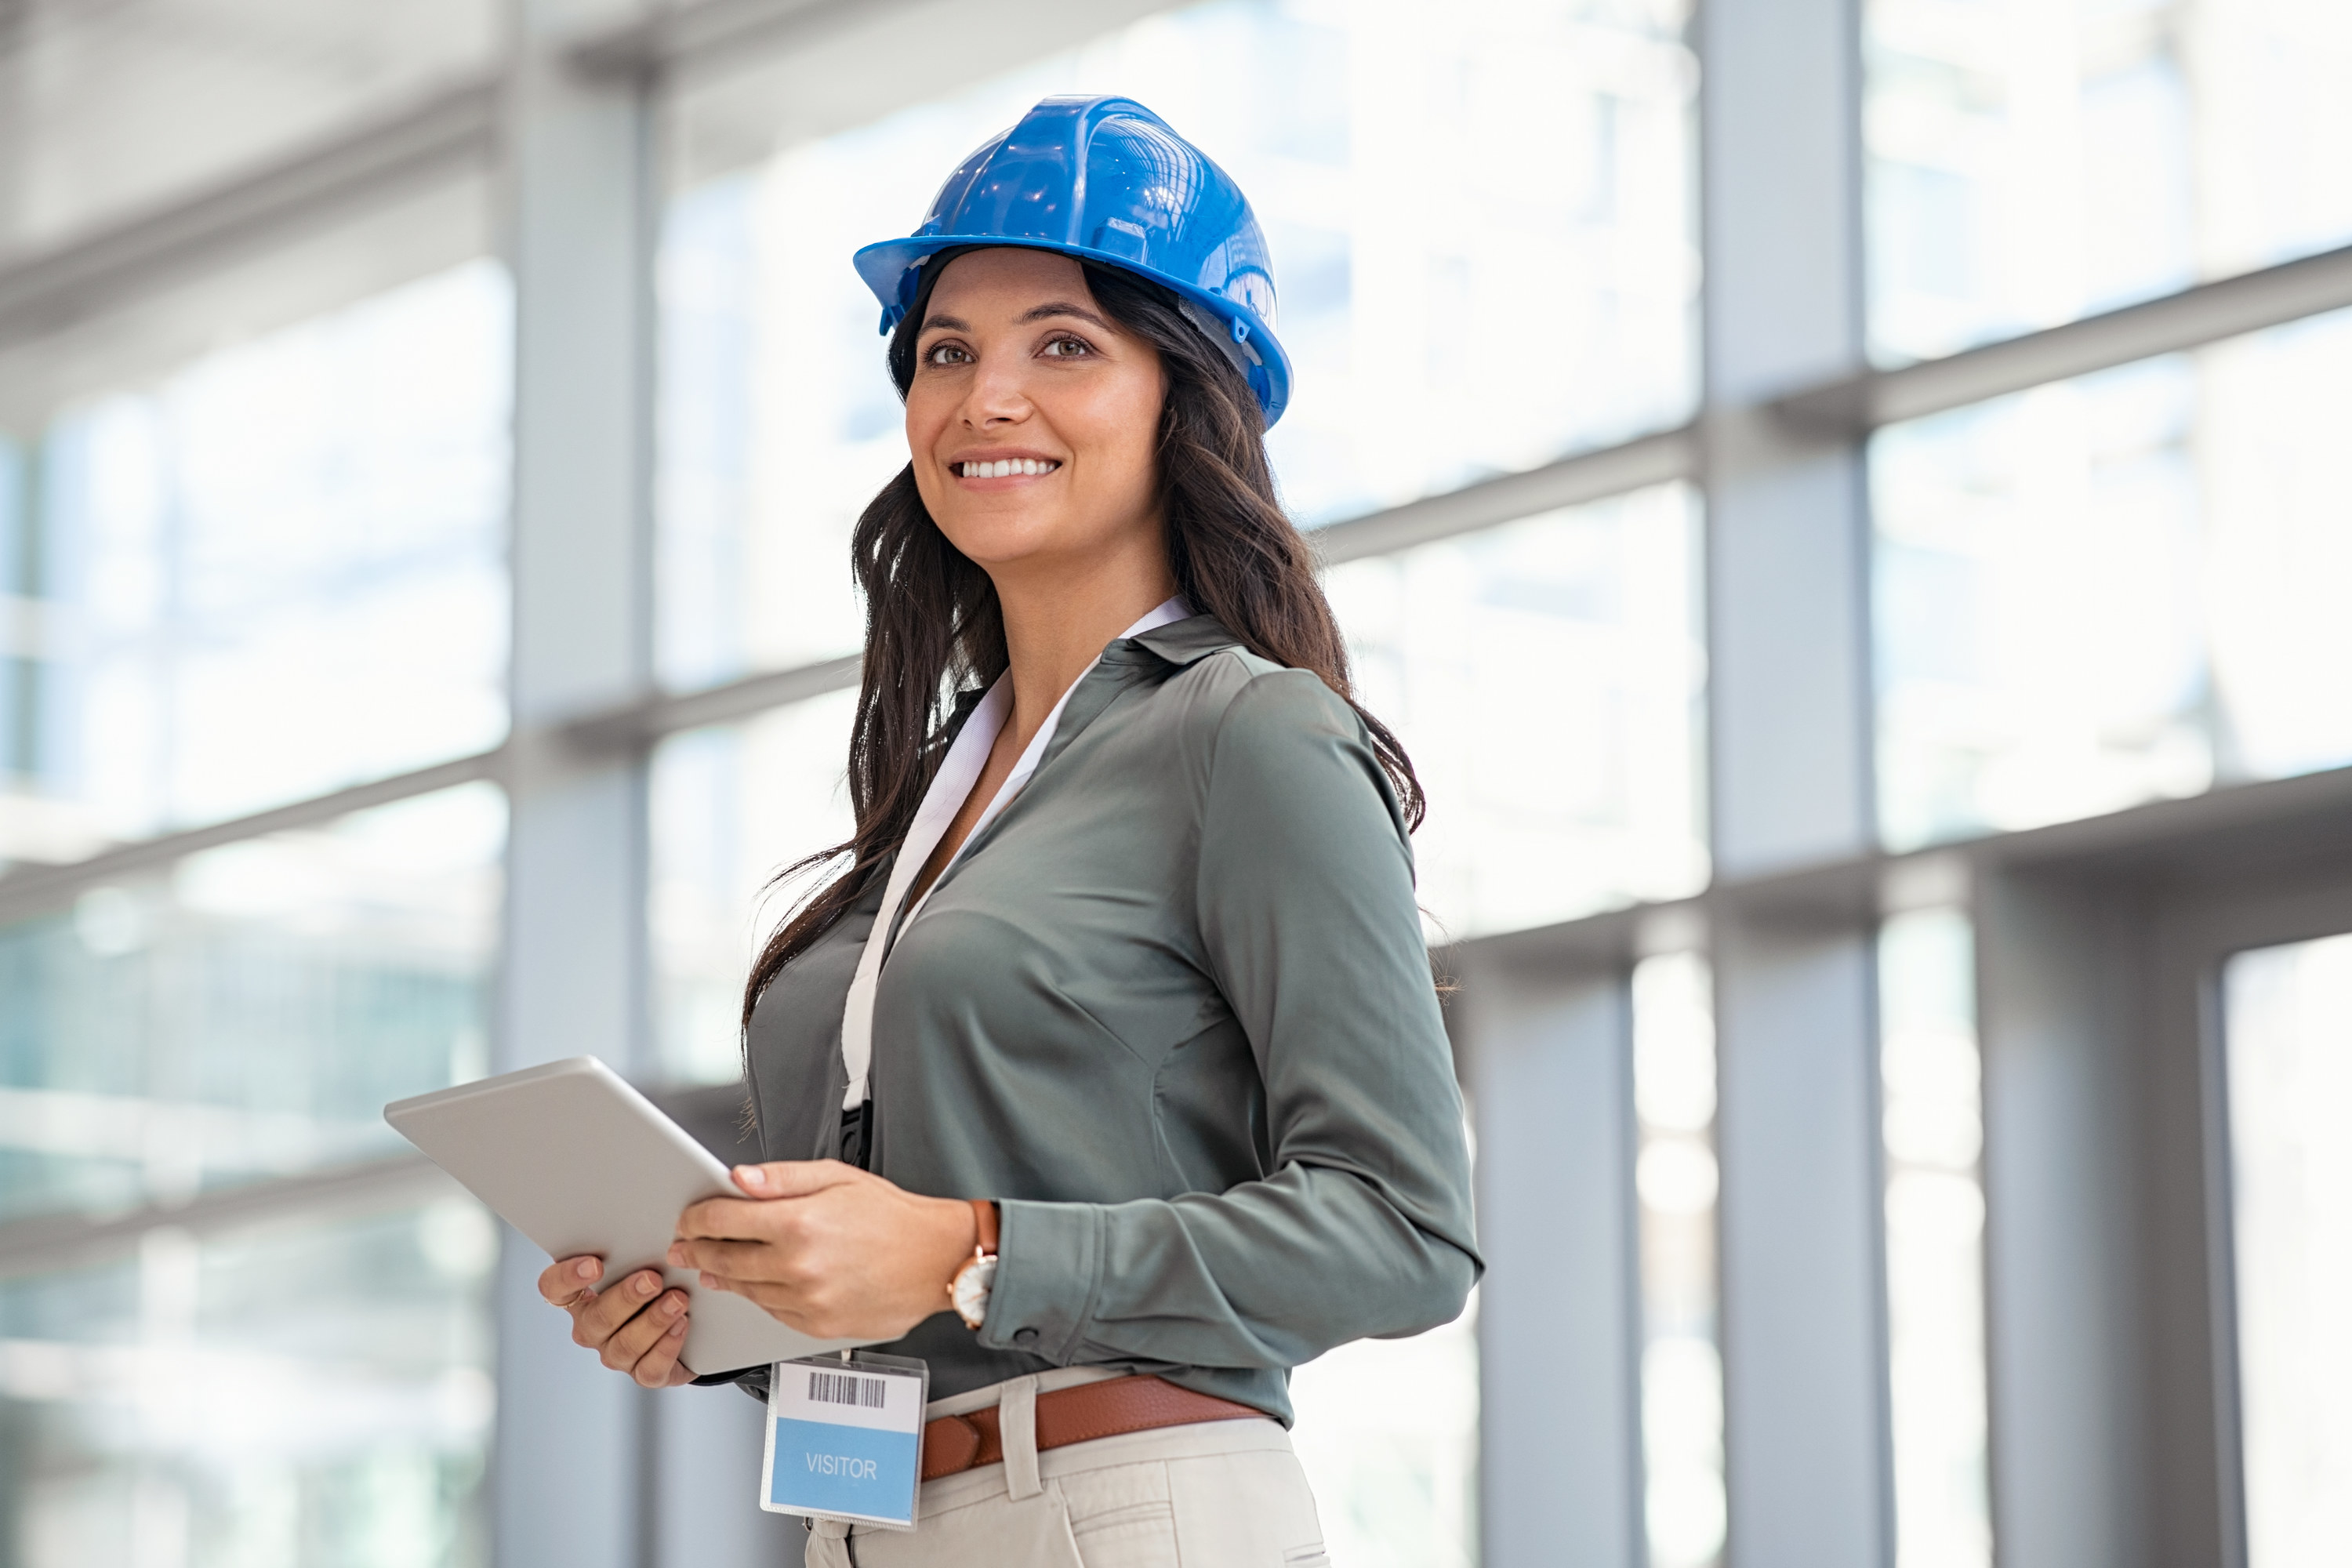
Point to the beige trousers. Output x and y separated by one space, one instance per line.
1216 1494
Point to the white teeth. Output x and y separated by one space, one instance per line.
1005 468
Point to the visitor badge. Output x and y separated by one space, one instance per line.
845 1438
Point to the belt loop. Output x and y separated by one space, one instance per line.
828 1544
1016 1427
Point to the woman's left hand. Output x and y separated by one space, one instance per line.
829 1250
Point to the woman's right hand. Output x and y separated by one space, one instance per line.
636 1327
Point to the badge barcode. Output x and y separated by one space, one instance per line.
840 1388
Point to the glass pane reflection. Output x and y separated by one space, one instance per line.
309 1394
1930 1078
278 571
1547 677
1540 141
2115 588
730 808
1676 1179
248 1013
2288 1023
1396 1481
2031 164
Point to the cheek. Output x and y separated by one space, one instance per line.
924 424
1122 431
926 413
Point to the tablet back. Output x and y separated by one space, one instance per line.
578 1162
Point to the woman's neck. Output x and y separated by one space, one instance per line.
1057 624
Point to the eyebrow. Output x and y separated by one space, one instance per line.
1052 307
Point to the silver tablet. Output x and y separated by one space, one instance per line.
578 1162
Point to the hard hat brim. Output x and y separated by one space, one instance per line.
885 265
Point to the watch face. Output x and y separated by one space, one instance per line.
970 1295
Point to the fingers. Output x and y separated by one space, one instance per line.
728 1219
634 1327
595 1323
562 1282
793 1178
736 1219
646 1346
736 1260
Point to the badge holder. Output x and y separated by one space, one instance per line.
845 1438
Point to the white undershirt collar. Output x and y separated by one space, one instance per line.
951 787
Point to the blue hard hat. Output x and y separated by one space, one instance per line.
1106 180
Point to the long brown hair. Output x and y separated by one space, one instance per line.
934 630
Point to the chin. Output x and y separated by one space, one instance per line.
990 542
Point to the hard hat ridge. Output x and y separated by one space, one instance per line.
1106 180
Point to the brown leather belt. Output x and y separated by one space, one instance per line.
1067 1415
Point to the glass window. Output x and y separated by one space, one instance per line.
730 808
116 109
308 1392
1676 1180
248 1012
1547 677
2032 163
1395 1480
1544 141
2288 1023
276 570
1933 1109
2115 588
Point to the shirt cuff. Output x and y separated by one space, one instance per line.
1048 1269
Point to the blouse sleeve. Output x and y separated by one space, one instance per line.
1362 1227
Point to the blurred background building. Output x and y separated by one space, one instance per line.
1850 506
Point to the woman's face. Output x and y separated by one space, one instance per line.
1033 419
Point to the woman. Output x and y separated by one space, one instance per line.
1151 1100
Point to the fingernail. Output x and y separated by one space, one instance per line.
710 1282
678 1330
673 1304
649 1283
751 1176
586 1268
678 1255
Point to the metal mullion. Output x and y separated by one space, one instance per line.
2209 312
30 892
1628 466
49 1244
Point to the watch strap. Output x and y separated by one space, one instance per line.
983 1212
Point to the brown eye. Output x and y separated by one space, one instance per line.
948 355
1067 348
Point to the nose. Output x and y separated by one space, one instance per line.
998 394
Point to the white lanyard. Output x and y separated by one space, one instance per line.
949 789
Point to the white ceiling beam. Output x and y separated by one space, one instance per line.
682 39
453 130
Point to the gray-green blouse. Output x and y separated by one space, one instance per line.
1172 1010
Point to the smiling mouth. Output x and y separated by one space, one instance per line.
1004 468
